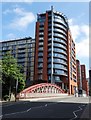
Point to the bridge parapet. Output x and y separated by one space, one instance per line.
46 89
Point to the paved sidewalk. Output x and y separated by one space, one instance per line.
42 98
31 99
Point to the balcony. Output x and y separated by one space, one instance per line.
60 31
60 41
40 54
60 35
60 21
40 49
60 46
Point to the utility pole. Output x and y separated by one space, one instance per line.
16 89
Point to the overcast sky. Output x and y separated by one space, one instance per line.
18 20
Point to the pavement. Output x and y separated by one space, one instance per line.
33 99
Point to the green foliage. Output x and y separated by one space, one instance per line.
11 74
0 71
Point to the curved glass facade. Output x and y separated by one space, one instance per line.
60 65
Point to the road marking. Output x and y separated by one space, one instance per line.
13 104
40 107
27 110
23 111
74 112
14 113
1 116
45 105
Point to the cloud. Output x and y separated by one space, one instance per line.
22 19
80 34
75 31
85 30
6 11
22 22
74 28
19 11
82 48
11 36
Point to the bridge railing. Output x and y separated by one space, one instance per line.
46 89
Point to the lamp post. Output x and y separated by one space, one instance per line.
16 89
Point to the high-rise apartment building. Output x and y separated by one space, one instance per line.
55 57
84 81
79 79
90 82
23 50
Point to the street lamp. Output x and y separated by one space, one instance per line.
16 89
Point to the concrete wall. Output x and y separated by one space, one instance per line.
40 95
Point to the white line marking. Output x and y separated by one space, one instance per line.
28 109
23 111
1 116
13 104
14 113
74 112
45 105
40 107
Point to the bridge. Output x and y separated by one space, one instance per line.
44 88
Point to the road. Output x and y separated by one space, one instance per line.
69 107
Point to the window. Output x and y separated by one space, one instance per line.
60 45
41 23
49 71
59 30
60 35
59 66
56 78
41 33
21 42
60 72
40 60
59 61
40 71
49 55
40 43
60 19
41 38
40 48
40 65
49 66
40 76
57 55
49 77
40 54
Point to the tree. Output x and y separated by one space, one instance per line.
1 71
11 76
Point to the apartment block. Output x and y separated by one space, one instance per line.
84 81
23 50
55 54
90 82
79 79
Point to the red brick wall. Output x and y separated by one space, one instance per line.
84 81
36 52
45 49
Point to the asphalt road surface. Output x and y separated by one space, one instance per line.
70 108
